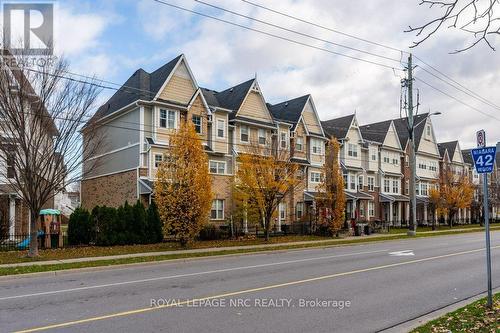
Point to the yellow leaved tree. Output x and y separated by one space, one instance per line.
183 187
331 194
455 192
263 180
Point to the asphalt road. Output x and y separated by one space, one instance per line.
362 288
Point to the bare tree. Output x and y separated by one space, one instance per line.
479 18
42 115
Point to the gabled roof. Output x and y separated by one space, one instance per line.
448 146
337 127
231 98
289 111
401 125
376 132
139 86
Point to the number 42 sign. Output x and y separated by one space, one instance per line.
484 158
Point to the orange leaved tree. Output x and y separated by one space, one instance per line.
331 189
183 188
264 178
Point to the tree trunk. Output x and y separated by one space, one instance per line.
267 235
33 247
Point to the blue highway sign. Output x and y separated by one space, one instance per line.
484 159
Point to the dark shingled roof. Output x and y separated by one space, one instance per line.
449 146
289 111
337 127
376 132
141 85
231 98
402 128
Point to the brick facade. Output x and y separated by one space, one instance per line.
112 190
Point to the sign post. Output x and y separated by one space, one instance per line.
484 158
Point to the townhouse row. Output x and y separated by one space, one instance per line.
140 117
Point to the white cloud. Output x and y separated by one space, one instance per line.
221 55
76 33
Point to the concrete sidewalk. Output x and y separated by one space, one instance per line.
217 249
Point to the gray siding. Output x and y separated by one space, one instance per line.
118 161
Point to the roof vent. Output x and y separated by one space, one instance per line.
286 103
231 90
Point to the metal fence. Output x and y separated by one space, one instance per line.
21 241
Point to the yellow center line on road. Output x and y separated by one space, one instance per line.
245 291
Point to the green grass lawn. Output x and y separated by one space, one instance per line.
474 318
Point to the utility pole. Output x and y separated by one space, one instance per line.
412 230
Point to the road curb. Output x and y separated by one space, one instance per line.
414 323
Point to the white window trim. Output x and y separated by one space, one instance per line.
217 173
223 121
259 137
301 144
154 159
368 183
318 144
216 218
311 177
248 133
286 140
201 122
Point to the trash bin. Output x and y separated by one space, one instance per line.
367 230
54 241
357 230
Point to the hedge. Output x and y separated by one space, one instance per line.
125 225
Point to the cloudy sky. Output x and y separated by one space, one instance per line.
112 39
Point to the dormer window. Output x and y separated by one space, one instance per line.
316 146
428 130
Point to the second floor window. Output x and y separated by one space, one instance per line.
371 184
387 186
395 186
217 167
360 183
262 136
10 166
373 154
167 118
299 143
316 146
315 177
244 133
345 181
283 140
158 160
352 150
221 128
353 182
197 123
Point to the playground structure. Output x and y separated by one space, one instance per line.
50 225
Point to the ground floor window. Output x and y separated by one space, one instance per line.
299 210
371 208
217 212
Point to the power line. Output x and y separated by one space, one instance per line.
456 99
467 91
275 36
323 27
484 100
296 32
